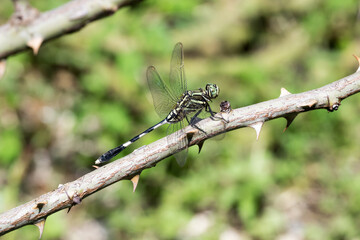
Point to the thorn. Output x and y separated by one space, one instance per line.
289 119
2 68
200 145
284 92
75 199
35 43
358 60
135 181
41 224
257 126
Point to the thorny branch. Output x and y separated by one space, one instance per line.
29 28
129 167
23 14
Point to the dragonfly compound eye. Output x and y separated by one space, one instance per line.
212 90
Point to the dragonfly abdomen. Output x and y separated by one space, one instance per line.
115 151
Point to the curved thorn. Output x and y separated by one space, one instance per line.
358 60
2 68
35 43
135 181
289 119
257 126
200 145
284 92
41 224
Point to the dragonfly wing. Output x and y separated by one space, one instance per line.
163 98
178 136
177 78
181 157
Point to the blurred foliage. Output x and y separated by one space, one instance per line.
86 93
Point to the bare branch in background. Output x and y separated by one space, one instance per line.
130 167
29 28
24 13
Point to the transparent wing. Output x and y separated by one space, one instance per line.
178 136
177 78
181 157
163 98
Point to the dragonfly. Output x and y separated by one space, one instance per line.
173 103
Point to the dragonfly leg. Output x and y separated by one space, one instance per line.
213 117
195 120
208 109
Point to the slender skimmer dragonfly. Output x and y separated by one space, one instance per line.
174 104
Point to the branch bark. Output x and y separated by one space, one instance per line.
129 167
29 28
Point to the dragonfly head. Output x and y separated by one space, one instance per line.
212 90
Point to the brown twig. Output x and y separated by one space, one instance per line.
287 105
29 28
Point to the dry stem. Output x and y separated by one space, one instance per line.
287 105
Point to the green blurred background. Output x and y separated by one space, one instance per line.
86 92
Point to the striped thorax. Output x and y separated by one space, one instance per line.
192 101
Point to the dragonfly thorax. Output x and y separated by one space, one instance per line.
179 111
192 101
